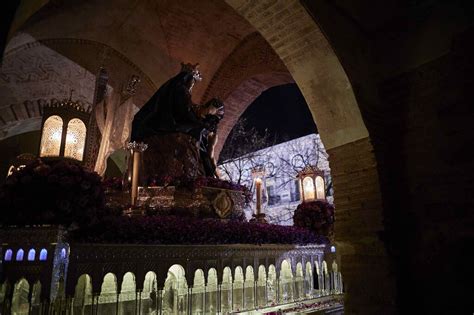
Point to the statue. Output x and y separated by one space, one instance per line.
181 135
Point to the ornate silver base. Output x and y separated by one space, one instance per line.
259 218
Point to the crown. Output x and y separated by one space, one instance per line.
190 68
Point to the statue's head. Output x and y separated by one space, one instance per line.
192 74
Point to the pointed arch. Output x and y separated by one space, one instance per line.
83 295
19 255
75 139
226 291
51 137
149 296
31 254
108 294
20 303
43 254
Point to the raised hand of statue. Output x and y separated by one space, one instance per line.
212 113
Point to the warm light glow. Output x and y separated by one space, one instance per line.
308 188
75 139
258 189
320 193
51 137
11 170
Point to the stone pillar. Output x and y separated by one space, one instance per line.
364 260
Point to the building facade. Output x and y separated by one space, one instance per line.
281 164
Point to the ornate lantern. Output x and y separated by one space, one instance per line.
312 184
64 130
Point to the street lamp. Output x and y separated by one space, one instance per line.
312 184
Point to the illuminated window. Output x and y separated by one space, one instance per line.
308 188
31 255
75 139
43 254
19 255
320 194
8 255
51 137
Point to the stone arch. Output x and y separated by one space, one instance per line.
242 96
313 65
299 42
286 282
127 293
261 297
36 297
149 295
175 290
83 295
212 295
198 291
4 291
251 68
108 294
238 289
308 278
226 290
272 284
20 300
249 283
292 33
299 281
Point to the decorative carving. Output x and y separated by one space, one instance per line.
223 204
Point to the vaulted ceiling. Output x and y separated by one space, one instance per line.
56 46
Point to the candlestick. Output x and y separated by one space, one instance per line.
258 185
137 149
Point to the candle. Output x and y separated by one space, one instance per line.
258 184
135 176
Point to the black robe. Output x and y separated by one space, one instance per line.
169 110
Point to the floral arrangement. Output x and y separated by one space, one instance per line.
57 192
317 216
185 230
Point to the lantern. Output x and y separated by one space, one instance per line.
312 184
64 131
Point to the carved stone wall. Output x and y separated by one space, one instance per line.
97 260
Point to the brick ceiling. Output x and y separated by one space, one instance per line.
63 44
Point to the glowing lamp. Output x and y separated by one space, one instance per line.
312 184
64 131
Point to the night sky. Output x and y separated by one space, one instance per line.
283 110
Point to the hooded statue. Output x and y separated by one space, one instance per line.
168 115
170 109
